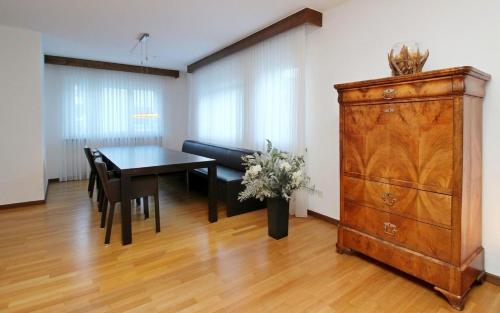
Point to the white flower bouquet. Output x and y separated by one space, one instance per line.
273 174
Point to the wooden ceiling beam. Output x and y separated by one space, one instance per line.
305 16
58 60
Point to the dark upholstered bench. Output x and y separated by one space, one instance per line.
230 173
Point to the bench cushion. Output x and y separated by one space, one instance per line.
224 174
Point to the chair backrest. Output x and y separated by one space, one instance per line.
102 174
90 158
225 156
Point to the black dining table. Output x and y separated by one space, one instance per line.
154 160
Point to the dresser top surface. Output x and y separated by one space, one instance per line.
463 70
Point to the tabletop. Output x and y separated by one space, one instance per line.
137 157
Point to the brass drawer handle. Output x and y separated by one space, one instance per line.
389 198
390 229
389 93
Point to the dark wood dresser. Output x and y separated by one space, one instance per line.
411 166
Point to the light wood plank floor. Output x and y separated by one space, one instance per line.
52 259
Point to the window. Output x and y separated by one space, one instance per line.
95 110
219 117
275 107
253 95
98 108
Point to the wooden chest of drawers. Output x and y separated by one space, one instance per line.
411 166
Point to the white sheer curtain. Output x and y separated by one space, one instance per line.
254 95
216 105
98 108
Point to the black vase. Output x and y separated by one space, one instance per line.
277 217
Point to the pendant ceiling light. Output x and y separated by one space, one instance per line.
142 46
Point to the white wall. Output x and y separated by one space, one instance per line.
176 114
352 45
21 139
52 125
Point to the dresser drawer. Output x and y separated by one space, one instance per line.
421 205
414 263
429 88
428 239
408 144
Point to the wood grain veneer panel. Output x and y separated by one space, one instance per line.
438 87
411 143
433 271
428 239
471 212
459 72
412 203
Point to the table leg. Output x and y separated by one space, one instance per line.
126 212
212 194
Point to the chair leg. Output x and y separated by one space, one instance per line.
138 201
145 201
110 223
101 200
99 193
104 211
90 179
157 213
91 184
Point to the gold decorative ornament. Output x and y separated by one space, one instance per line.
409 59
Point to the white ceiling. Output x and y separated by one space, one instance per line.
182 31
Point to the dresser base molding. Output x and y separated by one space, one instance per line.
452 281
344 250
457 302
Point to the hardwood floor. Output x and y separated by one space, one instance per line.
52 259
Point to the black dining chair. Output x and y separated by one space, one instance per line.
141 187
94 180
93 172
